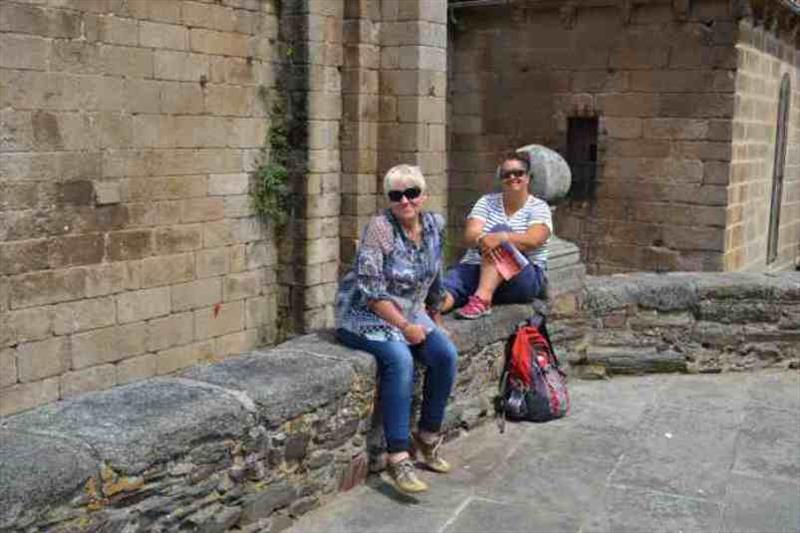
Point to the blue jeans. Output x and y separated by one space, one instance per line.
396 373
462 281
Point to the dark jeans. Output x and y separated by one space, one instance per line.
461 282
396 371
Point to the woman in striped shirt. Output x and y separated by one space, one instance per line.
512 220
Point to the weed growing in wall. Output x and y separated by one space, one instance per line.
269 192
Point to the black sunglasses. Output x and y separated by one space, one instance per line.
516 173
410 193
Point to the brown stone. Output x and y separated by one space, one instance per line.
47 287
126 245
69 251
23 256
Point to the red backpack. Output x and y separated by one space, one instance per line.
533 387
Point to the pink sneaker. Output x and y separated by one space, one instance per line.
475 307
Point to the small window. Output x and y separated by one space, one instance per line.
777 172
582 156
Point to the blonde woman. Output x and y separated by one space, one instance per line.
381 309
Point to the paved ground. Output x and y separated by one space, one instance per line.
666 453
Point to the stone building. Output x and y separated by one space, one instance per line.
129 130
680 119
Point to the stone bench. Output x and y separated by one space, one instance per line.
249 443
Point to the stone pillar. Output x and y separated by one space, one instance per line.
566 272
310 247
360 104
413 79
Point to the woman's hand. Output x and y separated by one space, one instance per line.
491 241
414 334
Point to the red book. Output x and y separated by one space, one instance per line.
509 261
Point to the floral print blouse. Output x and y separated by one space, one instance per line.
390 266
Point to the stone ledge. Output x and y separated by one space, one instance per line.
294 419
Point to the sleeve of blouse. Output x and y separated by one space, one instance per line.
436 291
375 243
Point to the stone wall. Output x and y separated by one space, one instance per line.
127 244
661 78
250 443
247 444
764 59
683 322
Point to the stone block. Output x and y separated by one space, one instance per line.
627 105
24 51
217 234
675 128
107 192
111 278
83 315
178 239
167 270
236 343
228 184
111 29
181 66
215 42
90 379
136 368
126 61
47 287
209 16
142 305
219 320
202 210
240 286
181 98
23 256
108 345
696 105
26 396
163 36
42 359
160 11
212 262
230 100
174 330
127 245
8 367
25 325
76 250
175 359
196 294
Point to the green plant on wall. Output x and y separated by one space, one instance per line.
270 194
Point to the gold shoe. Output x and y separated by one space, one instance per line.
430 454
405 477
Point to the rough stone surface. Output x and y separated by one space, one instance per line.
135 426
39 470
656 453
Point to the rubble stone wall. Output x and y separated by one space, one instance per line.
128 248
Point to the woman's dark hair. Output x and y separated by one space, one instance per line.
522 157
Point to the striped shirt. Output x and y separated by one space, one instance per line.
490 209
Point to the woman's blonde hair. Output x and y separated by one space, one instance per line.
409 173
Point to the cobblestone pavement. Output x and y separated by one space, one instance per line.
672 453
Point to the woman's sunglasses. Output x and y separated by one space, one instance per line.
410 193
516 173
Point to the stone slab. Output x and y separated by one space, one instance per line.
37 470
136 426
282 382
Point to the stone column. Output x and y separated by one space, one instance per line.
360 104
310 245
551 179
413 79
